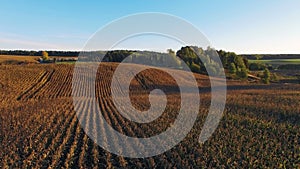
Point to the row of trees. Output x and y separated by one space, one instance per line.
239 66
39 53
200 60
197 59
236 65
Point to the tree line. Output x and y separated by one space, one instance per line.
197 59
39 53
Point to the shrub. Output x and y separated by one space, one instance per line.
266 76
195 68
232 68
242 73
45 56
257 66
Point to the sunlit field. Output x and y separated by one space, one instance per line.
39 127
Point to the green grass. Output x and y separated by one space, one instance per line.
66 62
277 61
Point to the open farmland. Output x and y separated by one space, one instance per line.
11 59
39 127
277 61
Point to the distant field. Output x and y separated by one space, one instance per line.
277 61
13 59
17 59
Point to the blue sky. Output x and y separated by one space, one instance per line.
256 26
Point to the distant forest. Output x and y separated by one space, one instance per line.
39 53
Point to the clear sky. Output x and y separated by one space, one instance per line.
253 26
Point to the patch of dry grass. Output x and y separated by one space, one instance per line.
14 59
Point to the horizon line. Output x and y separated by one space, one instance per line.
143 50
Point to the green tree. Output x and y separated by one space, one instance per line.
266 76
173 61
258 57
195 68
239 62
171 52
257 66
187 55
242 73
213 70
232 68
246 62
45 55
